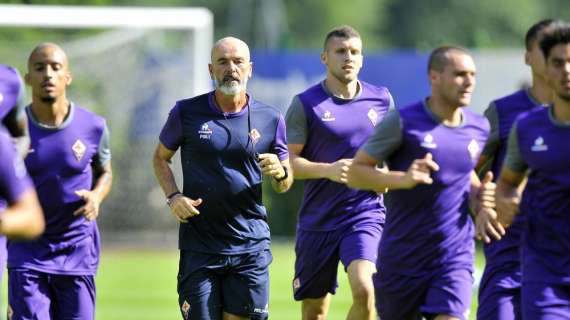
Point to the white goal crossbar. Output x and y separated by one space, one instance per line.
200 20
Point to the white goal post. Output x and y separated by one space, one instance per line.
88 17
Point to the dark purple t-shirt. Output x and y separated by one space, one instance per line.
429 226
332 129
501 114
539 143
219 166
60 163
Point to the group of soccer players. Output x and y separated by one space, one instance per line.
392 193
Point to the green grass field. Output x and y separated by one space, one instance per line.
141 284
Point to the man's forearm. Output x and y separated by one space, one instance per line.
103 182
362 176
164 176
305 169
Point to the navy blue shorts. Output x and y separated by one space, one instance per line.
210 284
319 252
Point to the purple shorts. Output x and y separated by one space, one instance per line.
500 293
446 292
37 295
318 254
541 301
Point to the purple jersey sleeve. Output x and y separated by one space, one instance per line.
171 134
280 143
14 180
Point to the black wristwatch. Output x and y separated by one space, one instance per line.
284 176
171 196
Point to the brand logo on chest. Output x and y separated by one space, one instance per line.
428 142
1 98
539 145
205 132
78 149
328 116
473 148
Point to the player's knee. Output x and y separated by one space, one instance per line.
363 293
314 311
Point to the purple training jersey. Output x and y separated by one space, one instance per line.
331 128
502 114
60 163
428 227
218 152
539 143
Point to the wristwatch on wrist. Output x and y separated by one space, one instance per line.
284 176
171 196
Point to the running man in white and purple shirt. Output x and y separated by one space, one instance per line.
326 124
69 162
499 290
426 256
538 148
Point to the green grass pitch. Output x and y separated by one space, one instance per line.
141 284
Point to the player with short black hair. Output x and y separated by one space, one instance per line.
499 289
326 124
538 149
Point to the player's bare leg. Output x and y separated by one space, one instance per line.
316 309
360 278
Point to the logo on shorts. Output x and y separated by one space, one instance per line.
328 116
373 117
539 145
78 149
185 308
205 132
428 142
296 284
261 310
473 149
254 135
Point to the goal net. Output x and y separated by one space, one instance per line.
129 65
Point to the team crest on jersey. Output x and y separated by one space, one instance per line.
205 132
428 142
473 149
185 308
373 117
539 145
328 116
78 149
254 135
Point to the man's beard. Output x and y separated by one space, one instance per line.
47 99
229 89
